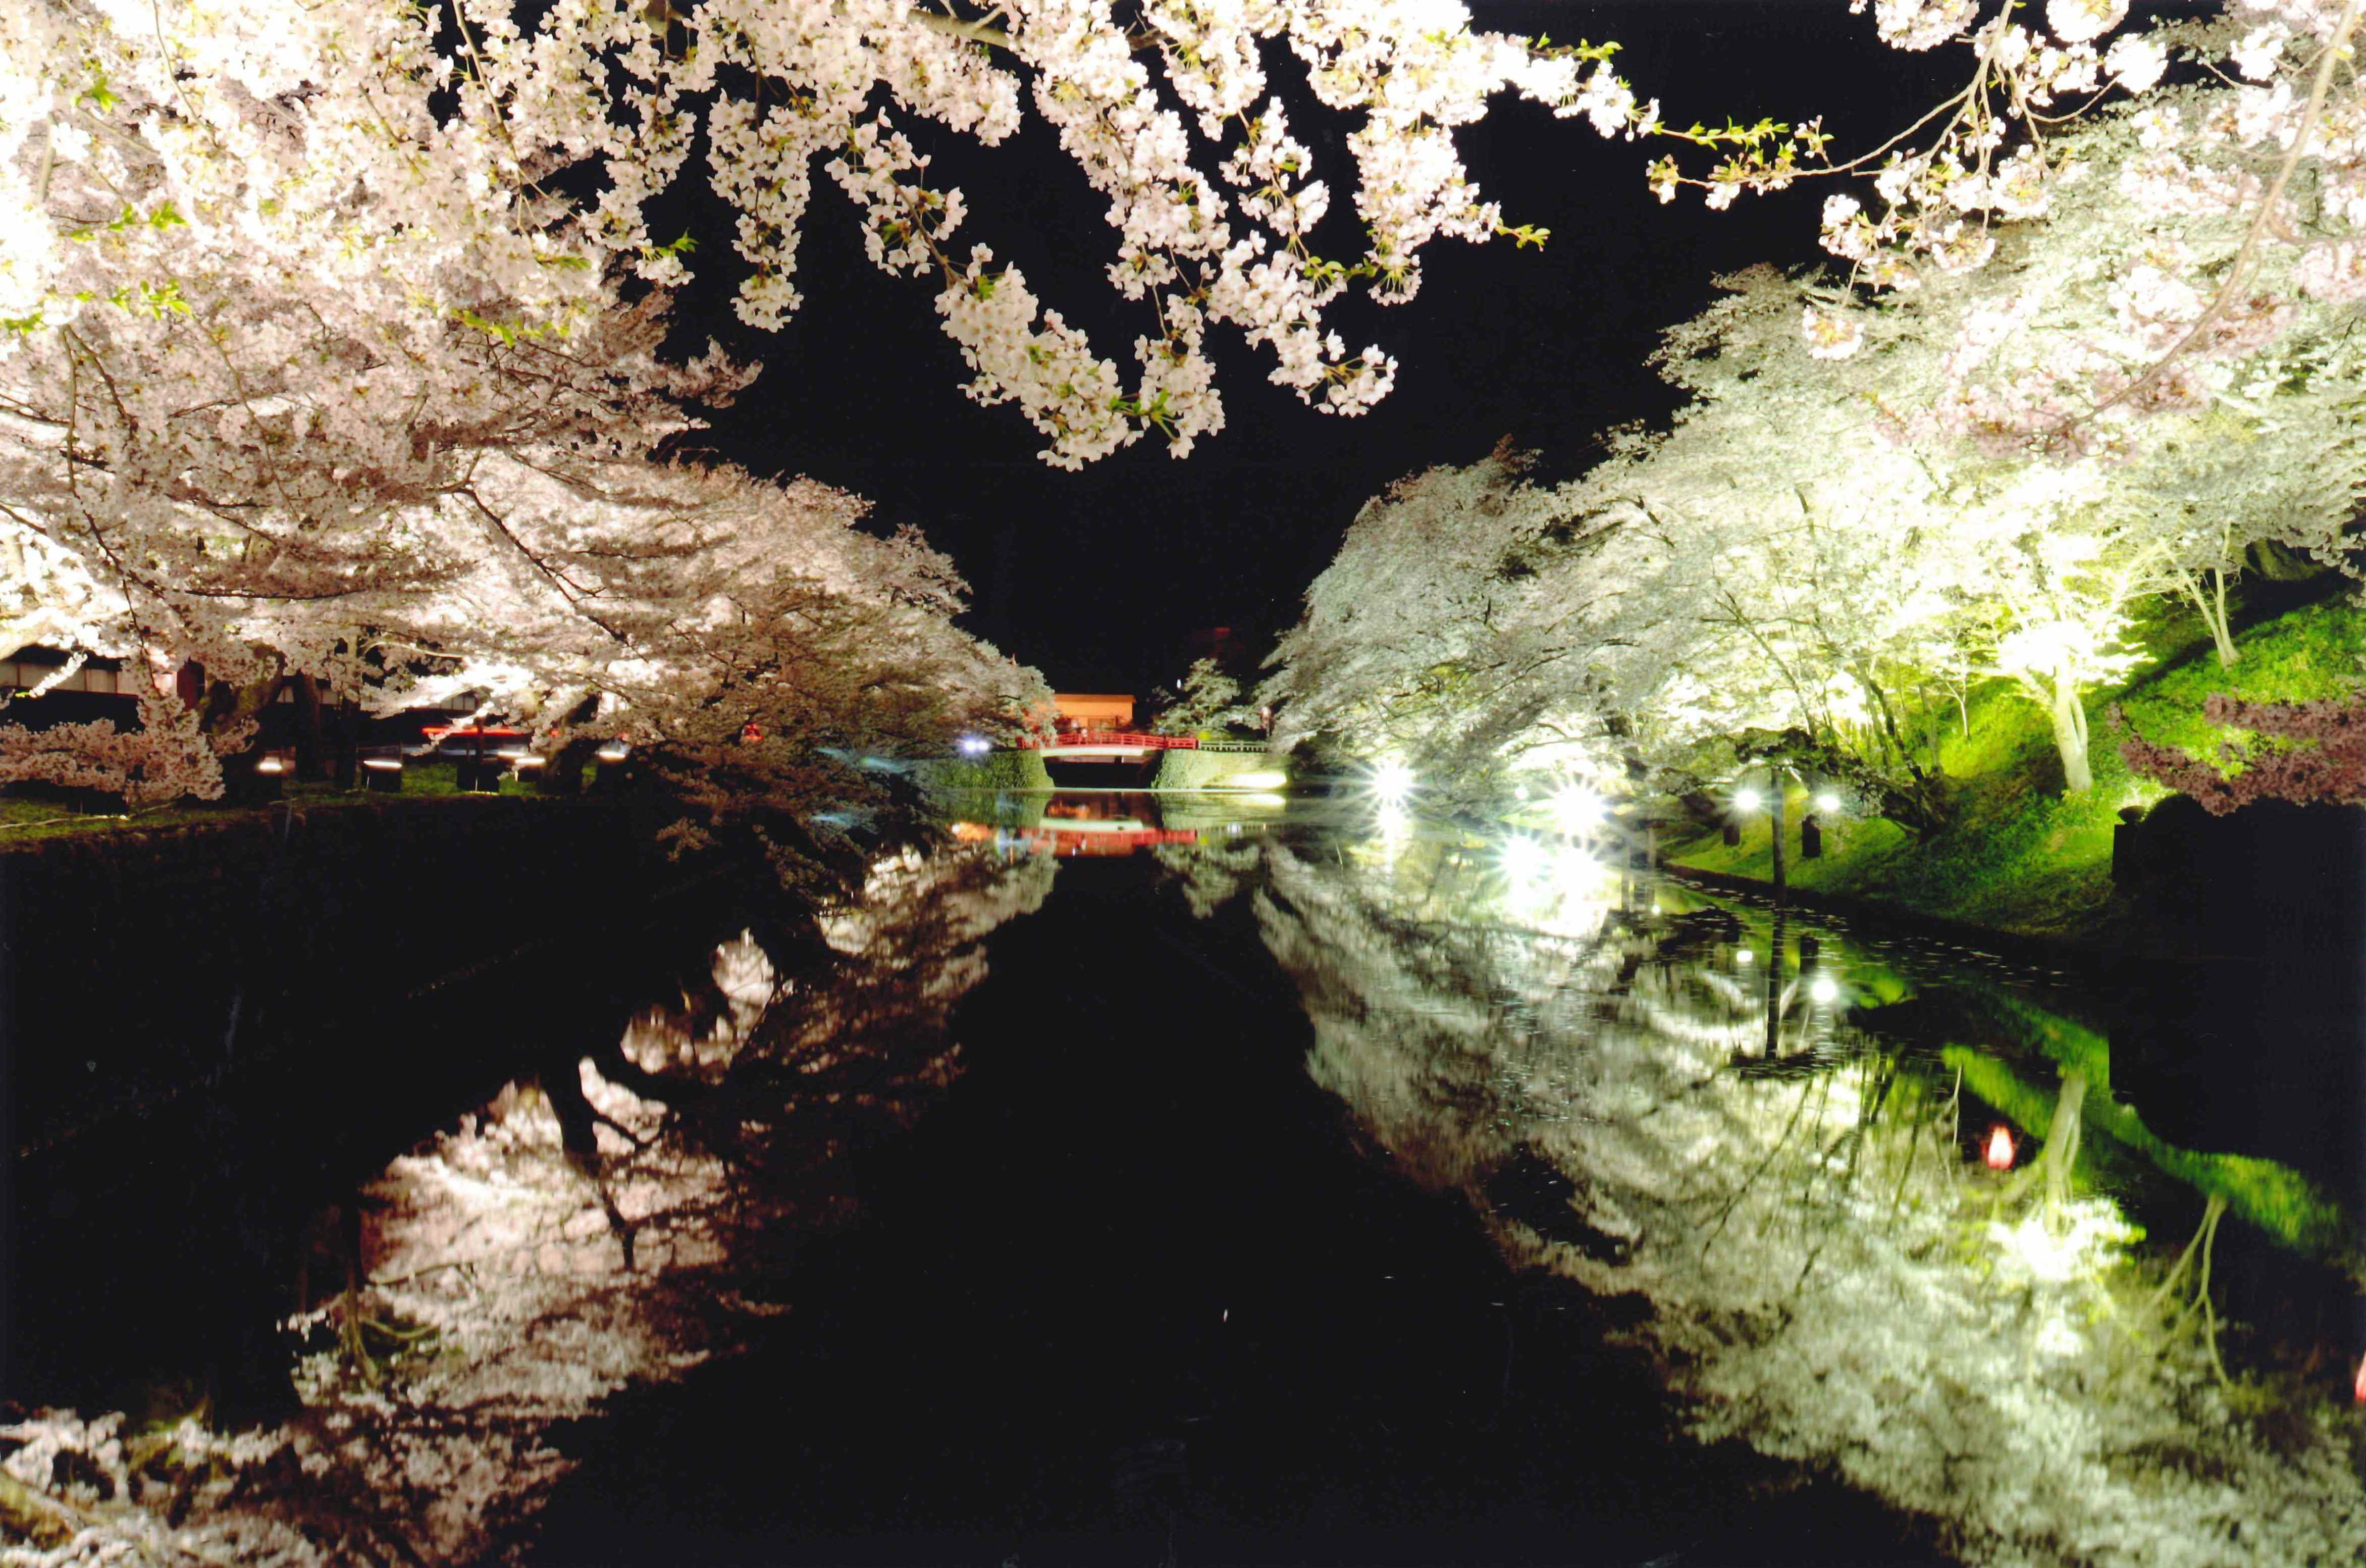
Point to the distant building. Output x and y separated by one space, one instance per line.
1080 710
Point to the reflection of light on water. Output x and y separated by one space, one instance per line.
1524 859
1576 809
1392 782
1556 887
1999 1152
2089 1243
1955 1369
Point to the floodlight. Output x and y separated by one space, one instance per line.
1392 782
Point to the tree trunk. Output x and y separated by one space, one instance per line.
348 743
2212 608
2070 737
564 775
2062 1146
2219 629
1775 989
311 752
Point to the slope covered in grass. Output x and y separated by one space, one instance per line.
2019 854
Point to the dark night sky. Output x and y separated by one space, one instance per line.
1096 577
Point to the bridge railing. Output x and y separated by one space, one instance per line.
1141 739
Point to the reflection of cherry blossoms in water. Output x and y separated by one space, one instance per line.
1829 1277
614 1225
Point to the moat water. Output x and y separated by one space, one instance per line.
1222 1180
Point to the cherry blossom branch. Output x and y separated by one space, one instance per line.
2266 220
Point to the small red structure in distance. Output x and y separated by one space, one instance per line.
1141 739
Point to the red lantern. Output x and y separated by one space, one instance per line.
2000 1151
750 733
2362 1382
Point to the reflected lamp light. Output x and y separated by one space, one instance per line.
1999 1153
1523 859
1576 809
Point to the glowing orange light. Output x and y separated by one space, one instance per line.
2362 1382
2000 1150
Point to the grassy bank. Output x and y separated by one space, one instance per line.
1205 770
2018 855
26 820
1014 769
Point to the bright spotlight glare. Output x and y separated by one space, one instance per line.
1392 782
1524 859
1744 956
1746 799
972 746
1828 802
1823 988
1577 807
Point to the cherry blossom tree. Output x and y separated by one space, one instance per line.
765 656
418 159
1815 545
278 280
2257 180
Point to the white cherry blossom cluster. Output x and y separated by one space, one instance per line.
300 215
2246 198
1160 145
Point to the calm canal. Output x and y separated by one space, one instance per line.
1180 1180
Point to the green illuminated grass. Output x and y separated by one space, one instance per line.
25 822
2279 1200
2019 856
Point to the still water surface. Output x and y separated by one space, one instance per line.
1157 1179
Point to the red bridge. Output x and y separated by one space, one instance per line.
1127 743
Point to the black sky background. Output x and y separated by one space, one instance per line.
1096 578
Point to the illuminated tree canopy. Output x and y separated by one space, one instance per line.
1821 543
